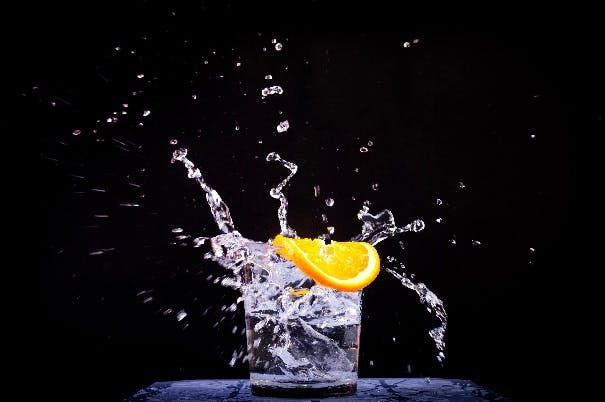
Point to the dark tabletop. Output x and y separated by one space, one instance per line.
368 389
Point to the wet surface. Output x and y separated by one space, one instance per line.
368 389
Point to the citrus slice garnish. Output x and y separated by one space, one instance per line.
346 266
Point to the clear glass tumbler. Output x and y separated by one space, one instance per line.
303 338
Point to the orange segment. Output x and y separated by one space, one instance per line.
346 266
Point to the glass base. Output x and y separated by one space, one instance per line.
303 390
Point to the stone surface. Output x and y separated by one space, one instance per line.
368 389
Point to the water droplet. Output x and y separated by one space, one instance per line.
330 229
370 143
375 186
532 136
416 40
391 259
194 96
439 220
356 170
427 380
452 242
272 156
180 315
173 141
177 230
461 185
532 250
236 128
394 340
476 243
273 90
273 40
139 76
324 218
329 202
179 154
146 113
402 245
283 126
77 132
407 44
316 190
278 46
417 225
268 77
238 64
371 362
363 150
438 201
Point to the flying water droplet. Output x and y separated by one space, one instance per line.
363 150
329 202
177 230
174 141
476 243
77 132
461 185
278 47
273 90
438 201
375 186
283 126
316 190
268 77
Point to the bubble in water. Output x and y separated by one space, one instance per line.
329 202
316 190
174 141
278 46
375 186
283 126
363 150
77 132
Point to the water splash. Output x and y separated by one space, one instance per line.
433 304
245 258
277 193
219 209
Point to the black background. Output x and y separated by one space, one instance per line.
461 105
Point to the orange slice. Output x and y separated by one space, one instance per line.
346 266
